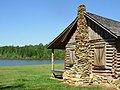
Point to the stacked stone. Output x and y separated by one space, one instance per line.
81 70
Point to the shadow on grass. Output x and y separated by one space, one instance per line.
10 86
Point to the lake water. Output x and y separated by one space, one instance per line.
27 62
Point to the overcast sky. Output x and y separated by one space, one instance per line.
24 22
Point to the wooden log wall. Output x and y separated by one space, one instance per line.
118 57
69 55
109 57
118 64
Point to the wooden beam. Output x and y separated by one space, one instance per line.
52 68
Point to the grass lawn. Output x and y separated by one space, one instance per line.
34 77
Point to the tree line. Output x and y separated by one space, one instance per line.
30 52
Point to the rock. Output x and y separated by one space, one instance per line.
109 79
116 81
118 87
104 81
91 75
78 76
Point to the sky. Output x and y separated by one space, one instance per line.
31 22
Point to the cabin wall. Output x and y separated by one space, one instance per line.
110 51
109 57
70 52
118 56
101 38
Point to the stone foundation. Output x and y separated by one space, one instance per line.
93 80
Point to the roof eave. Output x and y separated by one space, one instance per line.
65 31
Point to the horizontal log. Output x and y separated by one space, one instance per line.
118 63
118 59
109 51
109 61
104 40
118 73
109 58
106 68
118 56
109 55
109 65
118 66
118 69
112 46
118 53
102 71
67 55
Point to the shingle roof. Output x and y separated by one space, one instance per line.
112 25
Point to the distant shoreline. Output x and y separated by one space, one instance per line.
29 52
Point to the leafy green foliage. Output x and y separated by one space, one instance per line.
39 52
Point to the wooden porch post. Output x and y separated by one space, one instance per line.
52 67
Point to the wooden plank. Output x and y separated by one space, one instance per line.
102 71
105 68
118 56
58 73
108 45
118 73
109 57
109 65
118 63
118 69
109 51
52 68
118 53
109 61
109 54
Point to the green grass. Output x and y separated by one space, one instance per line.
34 77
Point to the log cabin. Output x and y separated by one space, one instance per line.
104 38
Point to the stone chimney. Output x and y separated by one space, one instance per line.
81 10
81 70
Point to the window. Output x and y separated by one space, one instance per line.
99 55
